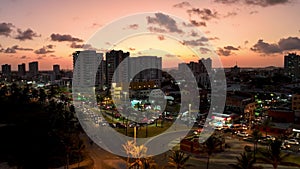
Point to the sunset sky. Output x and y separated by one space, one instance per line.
253 33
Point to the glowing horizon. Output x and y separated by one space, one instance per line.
251 35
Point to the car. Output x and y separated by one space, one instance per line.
243 134
249 139
291 141
218 128
285 146
120 125
133 124
113 125
268 137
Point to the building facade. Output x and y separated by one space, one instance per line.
86 64
146 69
292 66
6 70
33 69
113 59
21 70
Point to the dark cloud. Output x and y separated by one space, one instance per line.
158 30
26 35
284 44
161 37
194 23
41 57
253 12
290 43
165 21
230 14
170 55
14 49
44 50
230 48
23 57
82 46
74 45
55 57
204 50
182 5
213 38
194 34
133 26
50 46
197 42
205 14
227 50
62 38
265 3
223 52
262 3
227 1
197 23
10 50
6 29
263 47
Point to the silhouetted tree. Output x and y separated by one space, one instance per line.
256 135
178 160
273 154
245 161
210 146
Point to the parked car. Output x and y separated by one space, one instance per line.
268 137
242 134
249 139
120 125
113 125
285 146
291 141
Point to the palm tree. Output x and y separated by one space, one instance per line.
210 145
149 163
273 154
136 152
245 161
256 135
178 160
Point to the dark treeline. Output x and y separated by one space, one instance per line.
38 130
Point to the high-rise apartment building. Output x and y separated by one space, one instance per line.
21 70
292 65
146 69
101 74
113 59
6 71
56 72
33 69
86 64
200 70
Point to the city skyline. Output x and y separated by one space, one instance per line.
239 31
15 69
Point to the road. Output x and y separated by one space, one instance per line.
102 158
